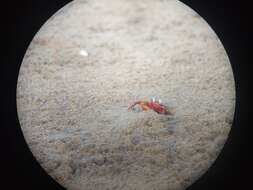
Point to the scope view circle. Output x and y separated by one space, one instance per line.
125 95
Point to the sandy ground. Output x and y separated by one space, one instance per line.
73 107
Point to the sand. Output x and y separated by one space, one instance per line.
91 60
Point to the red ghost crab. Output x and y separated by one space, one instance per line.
154 105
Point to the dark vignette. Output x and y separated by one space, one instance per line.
229 19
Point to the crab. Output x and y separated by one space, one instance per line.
153 104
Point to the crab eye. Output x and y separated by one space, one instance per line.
153 99
159 101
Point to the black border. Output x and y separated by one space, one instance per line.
229 19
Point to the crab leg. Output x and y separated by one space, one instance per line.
143 105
